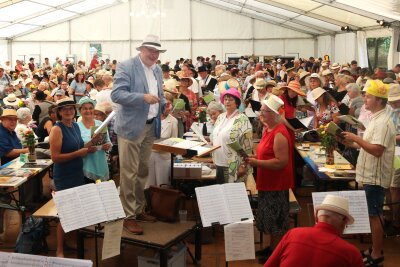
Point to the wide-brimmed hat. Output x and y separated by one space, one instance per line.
11 100
260 84
317 92
187 79
295 86
231 91
326 72
55 81
9 112
336 204
224 77
85 100
335 66
303 75
152 41
316 76
66 101
394 92
170 86
345 69
274 103
270 83
377 88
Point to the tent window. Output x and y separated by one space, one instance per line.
378 50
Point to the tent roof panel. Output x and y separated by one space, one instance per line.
389 8
52 3
50 17
318 22
345 16
20 10
16 29
87 5
304 5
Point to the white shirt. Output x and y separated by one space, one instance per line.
103 96
153 88
221 137
195 87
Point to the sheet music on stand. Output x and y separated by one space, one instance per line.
8 259
87 205
223 204
357 208
239 241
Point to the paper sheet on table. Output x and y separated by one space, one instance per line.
23 260
105 122
196 129
112 239
357 208
64 262
307 121
239 241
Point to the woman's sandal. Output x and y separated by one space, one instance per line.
366 253
370 262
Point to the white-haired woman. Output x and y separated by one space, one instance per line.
214 108
356 100
24 123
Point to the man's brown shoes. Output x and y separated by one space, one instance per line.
132 227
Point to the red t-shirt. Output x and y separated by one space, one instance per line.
94 63
274 180
290 113
320 245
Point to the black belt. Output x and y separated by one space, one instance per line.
150 121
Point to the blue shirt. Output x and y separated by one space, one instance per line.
8 141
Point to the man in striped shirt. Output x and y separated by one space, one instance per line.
375 162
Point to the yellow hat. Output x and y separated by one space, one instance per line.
377 88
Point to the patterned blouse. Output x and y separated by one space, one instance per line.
193 106
241 132
324 117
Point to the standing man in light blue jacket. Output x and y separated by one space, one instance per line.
138 92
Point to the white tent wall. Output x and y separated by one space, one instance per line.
187 29
3 51
345 47
326 46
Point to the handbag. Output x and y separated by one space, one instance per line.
164 203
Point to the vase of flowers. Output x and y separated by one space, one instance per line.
201 115
28 140
328 142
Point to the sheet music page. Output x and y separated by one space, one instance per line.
112 239
187 144
306 121
64 262
91 204
212 205
239 241
4 257
196 129
359 210
69 209
237 201
111 201
23 260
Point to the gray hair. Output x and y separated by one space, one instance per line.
23 114
353 87
215 106
331 214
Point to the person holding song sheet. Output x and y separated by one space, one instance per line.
320 245
180 104
275 174
95 165
67 149
375 163
230 127
326 109
184 84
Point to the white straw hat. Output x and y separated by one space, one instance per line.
152 41
317 92
336 204
274 103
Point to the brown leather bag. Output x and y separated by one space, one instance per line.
164 203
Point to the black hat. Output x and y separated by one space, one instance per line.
202 69
40 95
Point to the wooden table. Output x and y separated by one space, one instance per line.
159 235
316 160
48 210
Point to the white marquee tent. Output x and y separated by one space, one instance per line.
188 28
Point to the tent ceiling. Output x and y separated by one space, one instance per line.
315 17
20 16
